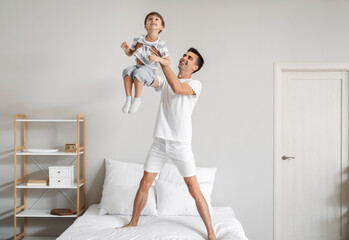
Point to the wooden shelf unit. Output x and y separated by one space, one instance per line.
21 211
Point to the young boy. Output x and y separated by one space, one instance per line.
144 72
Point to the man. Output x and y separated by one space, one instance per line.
173 132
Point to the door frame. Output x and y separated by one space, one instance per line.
278 69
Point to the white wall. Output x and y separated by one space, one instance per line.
60 58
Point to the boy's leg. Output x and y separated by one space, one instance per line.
128 85
141 197
201 204
137 99
138 87
128 91
143 75
127 76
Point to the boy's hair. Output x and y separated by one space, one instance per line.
156 14
200 61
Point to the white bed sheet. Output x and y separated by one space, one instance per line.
91 226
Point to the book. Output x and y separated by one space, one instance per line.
40 182
36 184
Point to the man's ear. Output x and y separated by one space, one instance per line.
195 68
161 27
145 27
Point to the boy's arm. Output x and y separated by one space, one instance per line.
128 50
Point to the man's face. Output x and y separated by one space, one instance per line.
187 62
154 22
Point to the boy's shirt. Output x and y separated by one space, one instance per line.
143 52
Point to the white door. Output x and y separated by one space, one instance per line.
311 129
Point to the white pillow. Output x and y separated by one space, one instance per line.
120 186
174 199
120 200
122 173
171 178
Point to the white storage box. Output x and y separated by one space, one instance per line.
61 175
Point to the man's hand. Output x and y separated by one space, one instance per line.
138 45
153 58
154 51
156 57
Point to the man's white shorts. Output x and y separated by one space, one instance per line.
179 152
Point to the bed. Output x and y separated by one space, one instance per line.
169 214
92 226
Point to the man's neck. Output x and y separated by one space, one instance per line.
184 75
152 36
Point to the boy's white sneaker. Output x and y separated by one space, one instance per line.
135 105
127 105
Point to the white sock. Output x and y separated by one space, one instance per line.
135 105
127 104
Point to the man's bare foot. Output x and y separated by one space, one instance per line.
128 225
212 237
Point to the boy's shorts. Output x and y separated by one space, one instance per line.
179 152
143 73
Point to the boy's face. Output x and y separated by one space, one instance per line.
154 23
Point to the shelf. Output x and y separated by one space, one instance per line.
39 238
37 210
24 185
41 213
48 120
59 153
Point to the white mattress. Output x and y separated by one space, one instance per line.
91 226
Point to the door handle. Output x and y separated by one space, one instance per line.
285 158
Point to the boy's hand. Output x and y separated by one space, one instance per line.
125 46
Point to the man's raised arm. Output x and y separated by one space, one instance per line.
177 86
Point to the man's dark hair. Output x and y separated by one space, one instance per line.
156 14
200 61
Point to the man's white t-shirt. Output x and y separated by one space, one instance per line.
174 115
